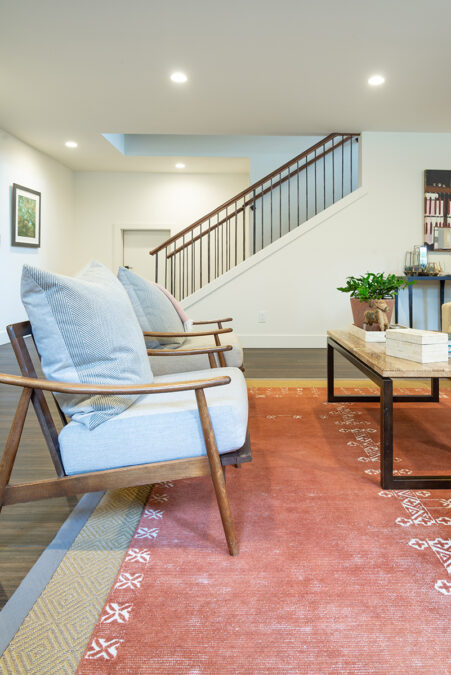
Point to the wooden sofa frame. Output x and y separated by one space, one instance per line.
215 332
33 390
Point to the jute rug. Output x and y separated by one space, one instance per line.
334 574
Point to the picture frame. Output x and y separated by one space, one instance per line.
26 217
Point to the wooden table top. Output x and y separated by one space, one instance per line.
373 355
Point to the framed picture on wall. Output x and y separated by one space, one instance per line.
26 217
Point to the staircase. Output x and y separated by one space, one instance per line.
256 217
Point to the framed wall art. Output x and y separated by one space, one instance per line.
26 217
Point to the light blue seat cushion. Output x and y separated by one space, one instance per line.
86 331
159 427
154 310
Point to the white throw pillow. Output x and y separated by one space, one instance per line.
86 331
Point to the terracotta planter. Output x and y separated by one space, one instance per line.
359 308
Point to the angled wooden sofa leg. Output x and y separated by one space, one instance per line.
12 444
217 475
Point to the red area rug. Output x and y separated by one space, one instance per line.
334 574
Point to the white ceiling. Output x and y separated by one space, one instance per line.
75 69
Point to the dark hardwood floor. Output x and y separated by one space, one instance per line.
27 529
298 363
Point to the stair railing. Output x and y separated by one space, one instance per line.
259 215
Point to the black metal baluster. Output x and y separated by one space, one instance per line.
271 208
187 270
166 267
182 267
156 267
262 207
193 263
316 193
324 177
223 249
236 234
216 248
172 275
350 149
227 240
280 205
289 199
333 170
209 256
342 168
306 188
201 243
244 228
297 192
180 254
254 224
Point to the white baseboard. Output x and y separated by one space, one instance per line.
3 337
283 341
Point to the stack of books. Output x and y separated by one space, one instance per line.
421 346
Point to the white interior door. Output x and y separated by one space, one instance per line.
137 244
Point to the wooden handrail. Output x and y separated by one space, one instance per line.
260 194
250 189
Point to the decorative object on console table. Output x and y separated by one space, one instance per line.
367 335
437 206
26 217
421 346
368 289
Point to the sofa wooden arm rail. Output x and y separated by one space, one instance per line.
216 331
209 351
105 389
218 321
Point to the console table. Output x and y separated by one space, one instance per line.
441 279
370 358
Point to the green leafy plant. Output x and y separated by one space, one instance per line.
371 286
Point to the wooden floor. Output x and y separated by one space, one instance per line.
27 529
297 363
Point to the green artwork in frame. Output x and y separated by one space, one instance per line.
26 217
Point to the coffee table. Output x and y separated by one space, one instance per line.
370 359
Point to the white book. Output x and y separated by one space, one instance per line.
420 353
416 336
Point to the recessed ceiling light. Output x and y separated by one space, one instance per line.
71 144
180 165
376 80
178 77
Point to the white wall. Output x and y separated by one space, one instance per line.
19 163
296 285
106 199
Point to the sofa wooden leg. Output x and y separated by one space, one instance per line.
12 444
217 474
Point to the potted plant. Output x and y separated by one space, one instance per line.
369 287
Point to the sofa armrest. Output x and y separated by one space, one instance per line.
77 388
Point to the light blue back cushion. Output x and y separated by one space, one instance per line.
86 331
154 310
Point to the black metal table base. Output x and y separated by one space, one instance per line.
386 400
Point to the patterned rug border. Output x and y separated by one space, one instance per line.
21 602
53 635
342 382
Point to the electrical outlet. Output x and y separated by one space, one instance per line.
261 317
